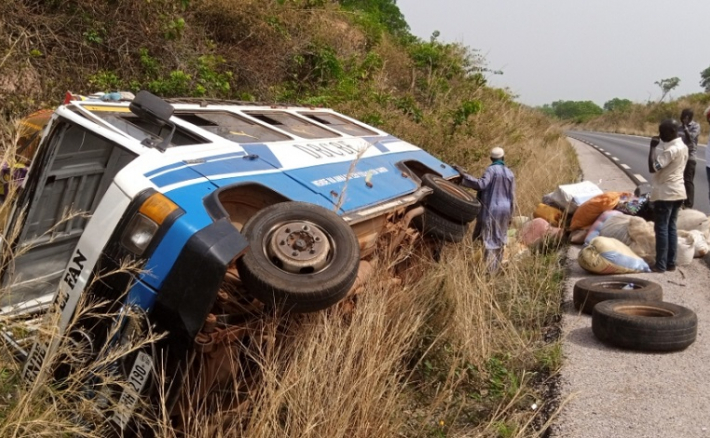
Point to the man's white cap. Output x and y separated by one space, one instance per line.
497 153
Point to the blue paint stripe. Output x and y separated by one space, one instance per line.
180 175
182 163
380 147
214 169
164 168
380 142
381 138
264 153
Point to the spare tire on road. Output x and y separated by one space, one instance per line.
590 291
644 325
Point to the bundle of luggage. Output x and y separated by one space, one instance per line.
615 228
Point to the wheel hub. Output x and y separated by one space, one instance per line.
299 246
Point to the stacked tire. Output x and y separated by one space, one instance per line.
448 210
629 313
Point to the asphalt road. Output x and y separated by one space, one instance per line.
631 154
608 392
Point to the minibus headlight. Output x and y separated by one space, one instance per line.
139 233
145 224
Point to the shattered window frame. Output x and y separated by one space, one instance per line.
141 129
231 126
293 124
338 123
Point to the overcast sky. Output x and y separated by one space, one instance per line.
573 49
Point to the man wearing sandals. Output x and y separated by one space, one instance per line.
667 163
496 192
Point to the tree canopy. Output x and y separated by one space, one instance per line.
705 79
385 12
617 104
578 111
667 85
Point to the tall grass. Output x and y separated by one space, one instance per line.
424 349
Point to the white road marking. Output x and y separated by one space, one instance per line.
614 158
640 178
607 153
625 166
601 149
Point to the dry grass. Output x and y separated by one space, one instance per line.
643 119
444 352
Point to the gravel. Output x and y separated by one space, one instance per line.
609 392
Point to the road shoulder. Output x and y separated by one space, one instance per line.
609 392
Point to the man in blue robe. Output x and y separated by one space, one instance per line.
496 192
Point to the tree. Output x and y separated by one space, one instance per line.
705 79
385 12
667 85
579 111
617 104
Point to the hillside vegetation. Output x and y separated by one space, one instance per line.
643 118
626 117
444 351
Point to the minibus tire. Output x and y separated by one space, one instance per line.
434 225
451 200
271 275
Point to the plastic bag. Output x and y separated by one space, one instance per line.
550 214
533 231
690 219
700 245
570 196
597 225
588 212
632 206
643 239
686 249
617 227
605 255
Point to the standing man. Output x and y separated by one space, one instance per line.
667 163
689 132
496 192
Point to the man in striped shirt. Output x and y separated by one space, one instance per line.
689 132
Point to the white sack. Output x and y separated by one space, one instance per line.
643 238
570 196
686 249
617 227
689 219
699 243
608 256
